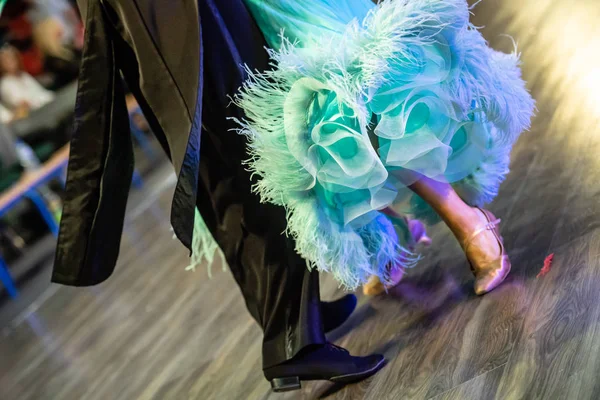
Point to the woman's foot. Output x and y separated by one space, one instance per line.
485 252
418 233
375 287
476 231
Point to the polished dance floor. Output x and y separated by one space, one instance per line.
154 331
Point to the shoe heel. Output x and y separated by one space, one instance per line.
285 384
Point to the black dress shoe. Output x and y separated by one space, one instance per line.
335 313
326 362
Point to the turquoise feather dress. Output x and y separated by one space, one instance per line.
363 100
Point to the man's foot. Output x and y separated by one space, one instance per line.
336 312
326 362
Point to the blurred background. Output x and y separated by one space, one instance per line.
40 49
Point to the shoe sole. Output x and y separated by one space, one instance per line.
350 378
292 383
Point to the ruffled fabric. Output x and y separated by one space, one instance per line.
358 108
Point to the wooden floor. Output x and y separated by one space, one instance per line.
154 331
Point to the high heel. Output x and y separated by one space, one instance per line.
489 275
375 286
418 234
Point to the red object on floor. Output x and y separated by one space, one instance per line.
547 264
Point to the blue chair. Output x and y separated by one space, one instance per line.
27 188
31 192
7 280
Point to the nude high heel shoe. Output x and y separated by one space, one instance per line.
489 275
374 286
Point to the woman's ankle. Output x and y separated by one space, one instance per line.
462 221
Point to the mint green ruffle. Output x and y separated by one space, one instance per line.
364 99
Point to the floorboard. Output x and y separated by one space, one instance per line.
481 387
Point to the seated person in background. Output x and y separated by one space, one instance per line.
19 91
57 27
6 116
8 148
22 223
17 29
58 33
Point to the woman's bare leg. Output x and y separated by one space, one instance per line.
475 230
461 218
484 251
